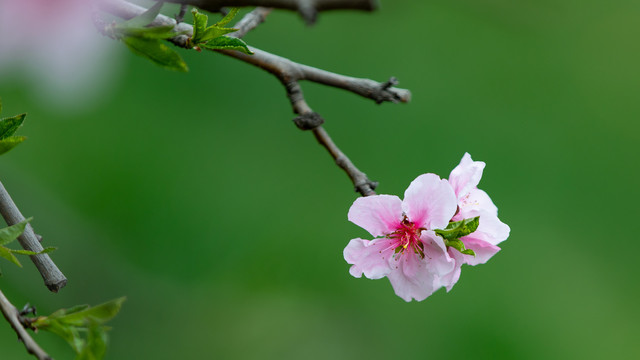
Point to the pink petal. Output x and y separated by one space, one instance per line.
466 175
369 257
429 202
490 229
484 251
476 200
435 251
411 278
378 214
451 278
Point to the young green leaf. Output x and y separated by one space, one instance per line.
71 310
460 228
69 333
28 252
100 313
96 345
156 32
70 324
7 254
12 232
227 18
213 32
157 52
10 142
8 126
199 26
227 43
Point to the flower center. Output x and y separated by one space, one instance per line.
408 237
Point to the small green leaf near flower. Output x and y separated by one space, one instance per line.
455 230
460 228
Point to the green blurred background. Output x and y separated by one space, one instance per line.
196 197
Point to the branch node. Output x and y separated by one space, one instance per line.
366 187
393 81
27 309
308 121
307 10
386 92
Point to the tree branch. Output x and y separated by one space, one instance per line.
54 279
308 9
290 74
279 66
251 21
13 317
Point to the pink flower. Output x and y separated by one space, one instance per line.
406 250
473 202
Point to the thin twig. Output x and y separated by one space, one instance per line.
308 9
12 315
281 67
250 21
290 74
54 279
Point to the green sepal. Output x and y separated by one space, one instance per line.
459 245
8 126
227 18
157 52
460 228
227 43
10 233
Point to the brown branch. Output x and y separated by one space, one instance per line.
308 9
13 317
281 67
54 279
290 74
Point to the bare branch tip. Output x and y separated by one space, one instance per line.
56 286
308 12
367 189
